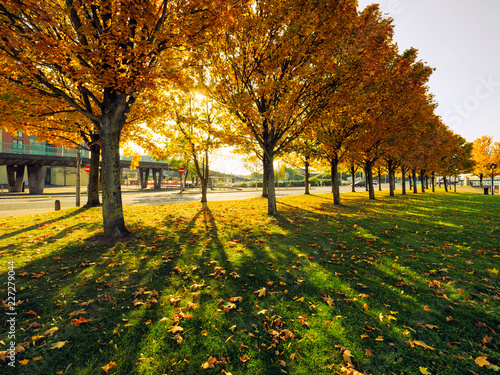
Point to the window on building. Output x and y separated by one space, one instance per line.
17 145
20 134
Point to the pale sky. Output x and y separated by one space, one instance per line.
460 38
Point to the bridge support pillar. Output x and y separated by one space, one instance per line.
36 178
15 174
144 175
157 177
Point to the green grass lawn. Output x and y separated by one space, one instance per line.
402 285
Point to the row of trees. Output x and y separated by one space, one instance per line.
486 156
315 79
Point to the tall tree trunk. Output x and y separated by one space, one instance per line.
334 164
353 176
445 184
403 180
306 164
427 182
414 178
93 185
369 178
433 182
379 172
422 177
366 178
492 184
112 208
272 209
481 180
390 168
265 176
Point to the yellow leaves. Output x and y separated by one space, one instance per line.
175 329
379 338
58 345
209 363
365 306
329 300
24 362
427 308
261 292
482 361
51 331
493 271
420 343
423 371
109 366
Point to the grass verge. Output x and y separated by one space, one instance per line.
404 285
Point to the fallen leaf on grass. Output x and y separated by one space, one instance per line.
328 300
261 292
79 321
37 275
24 362
175 329
423 370
482 361
51 331
369 353
58 345
209 363
420 343
245 358
36 359
109 366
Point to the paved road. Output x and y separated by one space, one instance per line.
24 204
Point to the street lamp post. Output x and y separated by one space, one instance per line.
492 166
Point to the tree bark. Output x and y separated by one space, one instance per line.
414 178
114 108
390 168
272 209
403 180
445 184
93 184
265 176
369 179
379 172
306 164
481 180
433 182
422 178
334 164
353 176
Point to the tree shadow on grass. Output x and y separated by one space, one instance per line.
193 264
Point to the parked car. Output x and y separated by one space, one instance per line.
375 182
360 184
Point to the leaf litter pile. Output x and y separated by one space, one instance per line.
405 285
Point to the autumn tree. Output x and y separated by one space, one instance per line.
194 133
99 57
273 68
366 56
483 155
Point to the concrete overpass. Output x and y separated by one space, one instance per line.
36 158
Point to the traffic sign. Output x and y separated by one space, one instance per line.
181 170
87 169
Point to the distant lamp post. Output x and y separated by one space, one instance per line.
493 167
